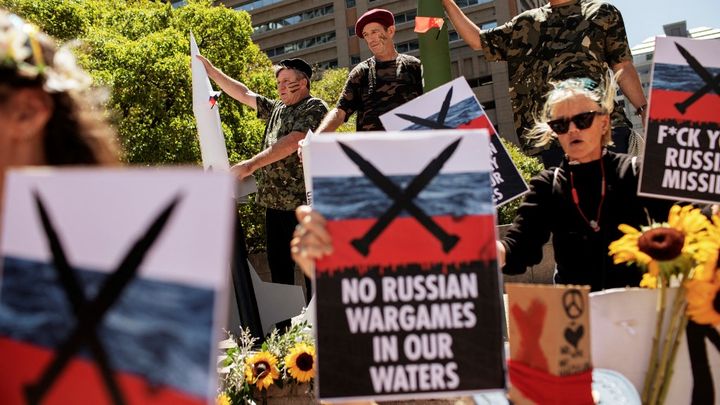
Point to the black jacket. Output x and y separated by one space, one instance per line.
581 254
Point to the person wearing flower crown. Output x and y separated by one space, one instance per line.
43 116
581 203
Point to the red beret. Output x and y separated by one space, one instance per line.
376 15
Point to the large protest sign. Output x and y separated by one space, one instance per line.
114 285
410 298
682 152
454 105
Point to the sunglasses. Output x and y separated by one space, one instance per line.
582 121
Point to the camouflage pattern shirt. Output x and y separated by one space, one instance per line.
581 38
281 185
374 88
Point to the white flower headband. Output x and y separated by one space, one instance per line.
21 49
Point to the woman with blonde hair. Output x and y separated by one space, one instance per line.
44 116
580 203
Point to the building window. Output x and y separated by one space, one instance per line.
354 60
488 25
350 3
408 46
328 64
351 31
466 3
406 16
301 44
256 4
294 19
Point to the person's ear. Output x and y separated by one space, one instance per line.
391 31
32 109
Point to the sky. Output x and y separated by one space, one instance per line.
645 18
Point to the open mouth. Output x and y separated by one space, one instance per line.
576 141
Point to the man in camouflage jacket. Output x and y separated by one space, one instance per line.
278 170
561 40
379 84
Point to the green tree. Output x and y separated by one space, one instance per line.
328 88
139 50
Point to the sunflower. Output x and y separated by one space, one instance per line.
300 362
667 247
703 299
261 370
223 399
648 281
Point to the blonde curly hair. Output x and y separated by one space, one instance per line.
602 93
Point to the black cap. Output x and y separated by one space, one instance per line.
297 64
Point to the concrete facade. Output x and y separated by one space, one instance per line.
322 32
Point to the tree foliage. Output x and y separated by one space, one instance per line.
329 88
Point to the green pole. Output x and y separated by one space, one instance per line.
434 48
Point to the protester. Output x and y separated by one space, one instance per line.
44 115
561 40
581 203
279 172
379 84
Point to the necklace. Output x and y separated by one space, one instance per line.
595 223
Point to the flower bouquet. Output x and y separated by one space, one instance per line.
682 253
284 365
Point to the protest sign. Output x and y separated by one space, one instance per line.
549 334
410 297
454 105
114 285
682 151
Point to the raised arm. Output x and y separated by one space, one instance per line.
230 86
629 82
467 29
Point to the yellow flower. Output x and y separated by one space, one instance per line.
261 370
703 300
687 235
300 362
223 399
648 281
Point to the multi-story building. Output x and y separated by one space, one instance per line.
323 33
643 57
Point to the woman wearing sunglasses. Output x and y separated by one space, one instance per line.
580 203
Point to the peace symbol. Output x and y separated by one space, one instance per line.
573 303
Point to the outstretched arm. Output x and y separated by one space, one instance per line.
281 149
467 29
332 121
230 86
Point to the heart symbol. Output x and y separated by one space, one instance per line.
574 336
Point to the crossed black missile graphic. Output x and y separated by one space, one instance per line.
89 314
439 123
402 199
711 83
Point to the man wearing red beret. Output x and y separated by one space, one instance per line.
379 84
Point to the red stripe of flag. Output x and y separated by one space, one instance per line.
425 24
662 106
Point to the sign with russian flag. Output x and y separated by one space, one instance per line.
113 283
682 152
454 105
409 301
